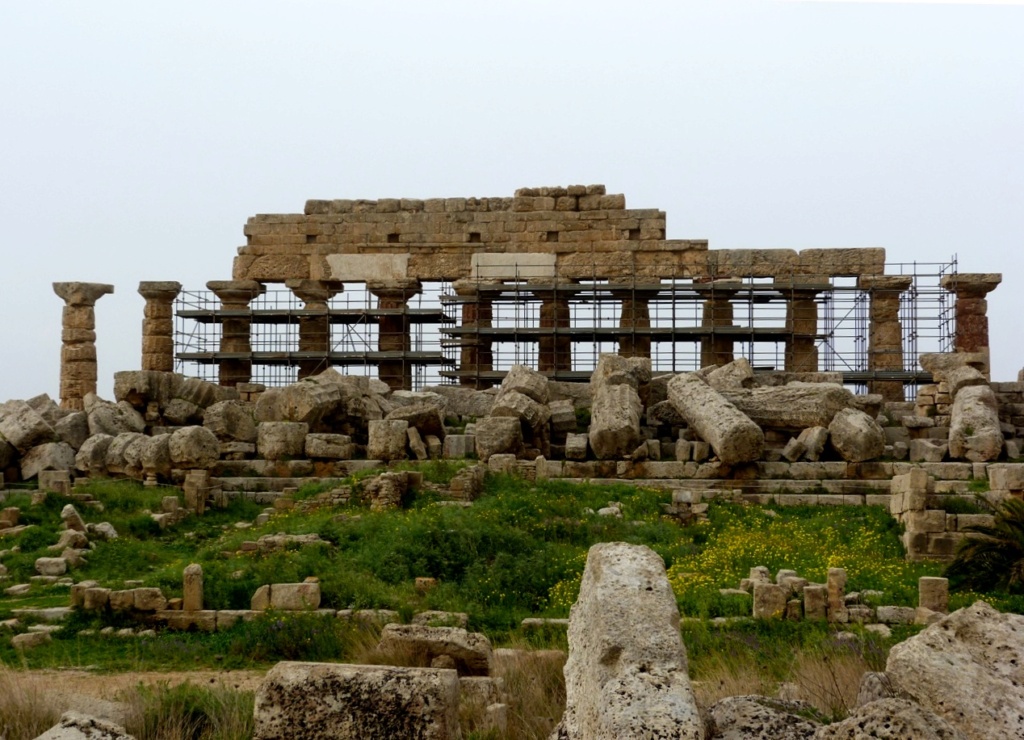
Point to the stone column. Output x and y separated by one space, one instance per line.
717 349
393 330
78 341
971 308
235 296
885 332
158 324
476 355
554 347
635 314
315 323
802 325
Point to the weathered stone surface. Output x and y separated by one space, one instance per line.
287 597
963 377
470 652
563 416
155 455
387 440
969 669
459 446
281 440
770 601
613 369
118 459
193 448
51 566
72 519
497 435
736 374
49 456
796 406
615 421
856 436
465 401
760 718
73 429
734 437
192 588
330 701
23 427
626 675
78 726
527 381
520 406
941 364
231 421
427 418
576 446
974 430
387 490
329 446
112 418
928 450
890 719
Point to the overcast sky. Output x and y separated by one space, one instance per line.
136 138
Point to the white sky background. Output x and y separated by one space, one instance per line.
136 138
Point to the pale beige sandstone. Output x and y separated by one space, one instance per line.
281 440
974 430
626 675
49 456
470 652
193 448
760 718
615 421
891 719
428 418
192 588
497 435
734 437
796 406
968 668
387 440
856 436
330 701
231 421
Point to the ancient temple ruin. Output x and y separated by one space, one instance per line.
460 289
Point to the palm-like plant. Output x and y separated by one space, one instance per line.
993 560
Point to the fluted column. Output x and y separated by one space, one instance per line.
476 355
235 296
315 323
393 330
158 324
971 308
635 314
78 340
802 325
885 331
717 349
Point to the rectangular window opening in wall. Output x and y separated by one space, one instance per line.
392 238
474 237
634 235
310 238
552 236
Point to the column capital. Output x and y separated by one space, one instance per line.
314 291
971 284
82 294
887 283
399 290
236 291
155 290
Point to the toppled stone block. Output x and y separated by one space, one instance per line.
282 440
615 421
23 427
387 440
193 448
498 435
333 701
231 421
974 430
425 417
470 651
734 437
856 436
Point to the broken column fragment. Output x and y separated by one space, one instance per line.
733 436
78 336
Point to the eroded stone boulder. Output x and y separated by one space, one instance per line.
333 701
78 726
497 435
856 436
387 440
626 675
974 430
760 718
968 668
49 456
890 719
92 457
281 440
23 427
193 448
231 421
614 421
426 417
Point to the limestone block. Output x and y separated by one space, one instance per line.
836 586
29 640
895 614
736 374
927 450
769 601
282 440
426 417
1006 476
95 598
796 406
527 381
615 421
112 418
968 668
155 455
563 416
23 427
941 364
759 717
73 429
192 595
193 448
975 433
49 456
294 596
470 652
387 490
459 446
72 519
231 421
576 446
520 406
856 436
933 593
815 602
626 675
149 600
465 401
613 369
329 446
496 435
122 601
387 440
734 437
51 566
890 717
333 701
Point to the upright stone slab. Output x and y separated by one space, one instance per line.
837 595
387 440
933 593
192 597
334 701
626 675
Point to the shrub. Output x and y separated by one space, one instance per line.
993 560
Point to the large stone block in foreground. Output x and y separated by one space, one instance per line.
328 701
626 676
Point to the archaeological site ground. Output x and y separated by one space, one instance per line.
520 467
